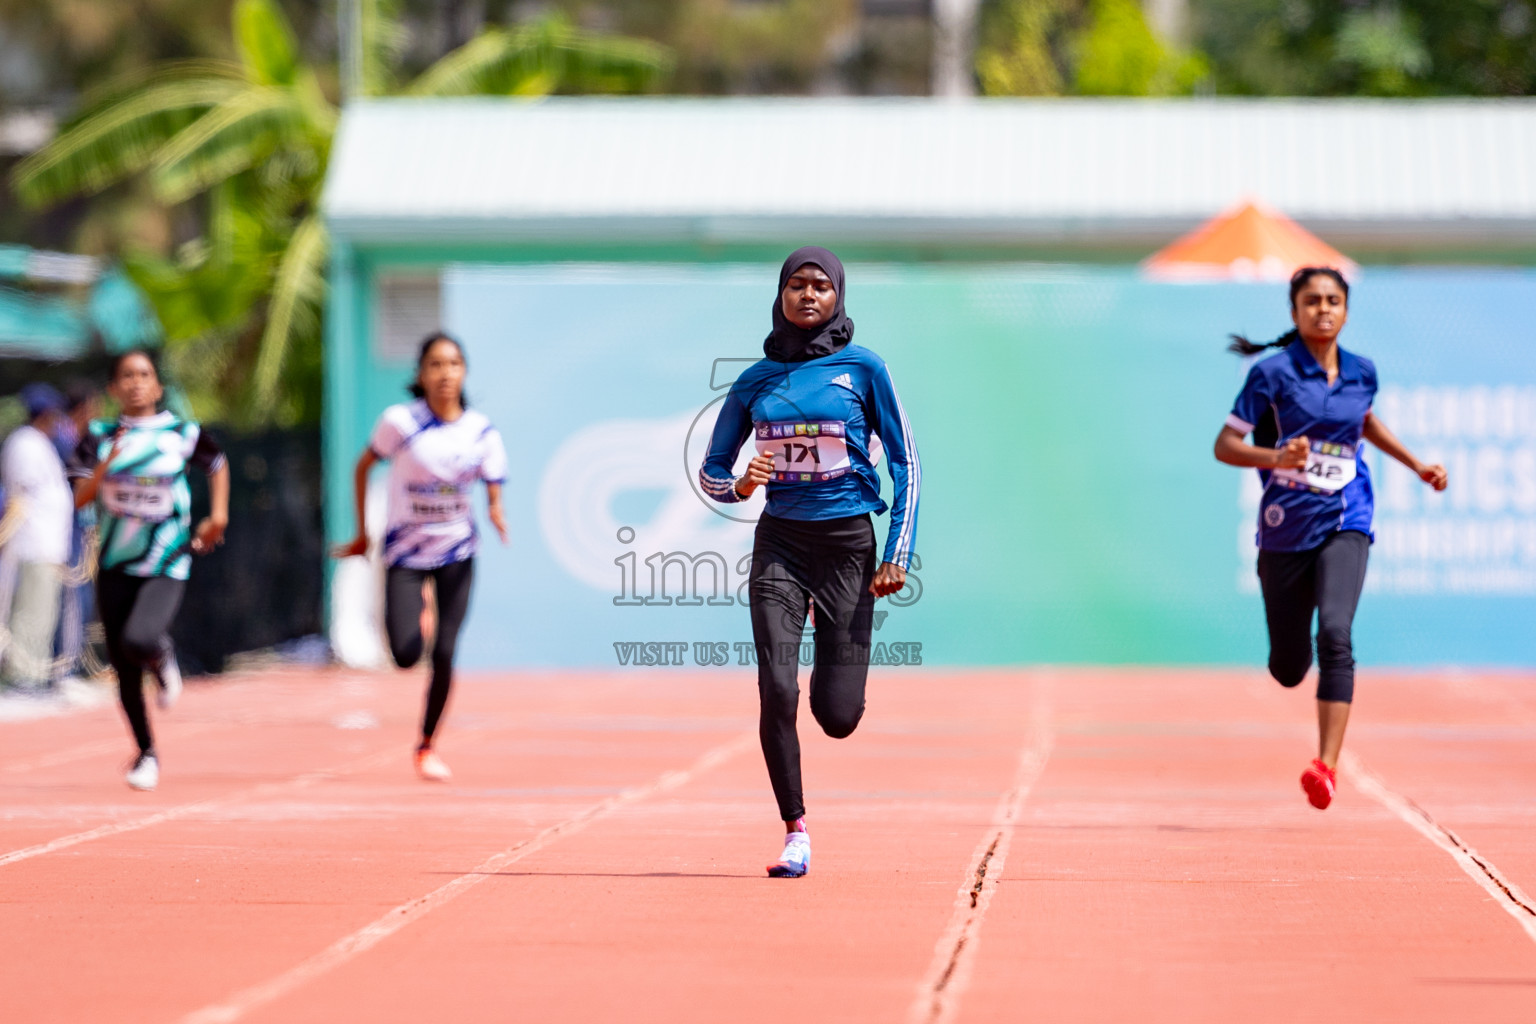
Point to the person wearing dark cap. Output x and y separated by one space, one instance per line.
38 514
818 409
82 404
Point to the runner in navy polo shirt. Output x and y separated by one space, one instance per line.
1308 408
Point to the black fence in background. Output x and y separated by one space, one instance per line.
16 372
265 585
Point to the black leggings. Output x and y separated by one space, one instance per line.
136 612
830 562
402 621
1327 578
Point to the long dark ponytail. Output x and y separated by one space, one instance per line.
1243 347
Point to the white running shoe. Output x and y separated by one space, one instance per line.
796 858
431 767
168 675
145 773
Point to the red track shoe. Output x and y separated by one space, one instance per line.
1320 782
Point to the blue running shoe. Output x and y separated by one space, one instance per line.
796 858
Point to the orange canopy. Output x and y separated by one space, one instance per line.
1249 243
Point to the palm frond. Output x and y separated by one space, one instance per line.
540 58
104 94
319 112
597 63
192 301
466 70
384 42
294 309
226 140
118 141
223 208
166 286
238 232
265 41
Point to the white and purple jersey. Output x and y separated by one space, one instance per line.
433 469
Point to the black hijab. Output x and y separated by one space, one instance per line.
787 343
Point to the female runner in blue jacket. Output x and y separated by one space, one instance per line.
813 408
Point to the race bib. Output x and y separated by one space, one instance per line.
438 503
805 452
149 498
1329 468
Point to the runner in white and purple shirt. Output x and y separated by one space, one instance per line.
438 450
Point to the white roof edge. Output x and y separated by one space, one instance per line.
938 102
490 169
977 231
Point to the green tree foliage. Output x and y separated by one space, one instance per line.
1369 47
52 50
726 46
1118 55
66 45
244 145
1084 47
1024 45
540 58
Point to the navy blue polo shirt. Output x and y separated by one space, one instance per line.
1287 395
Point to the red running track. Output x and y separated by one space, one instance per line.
1074 845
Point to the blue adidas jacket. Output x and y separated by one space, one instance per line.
817 419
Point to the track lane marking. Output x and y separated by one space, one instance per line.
1477 867
76 753
186 810
372 934
85 750
329 701
341 693
949 973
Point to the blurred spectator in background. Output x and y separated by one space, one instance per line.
82 403
39 514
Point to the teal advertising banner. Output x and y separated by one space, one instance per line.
1071 508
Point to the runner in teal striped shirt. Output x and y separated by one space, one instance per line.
135 468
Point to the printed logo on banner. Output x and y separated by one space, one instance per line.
612 462
597 468
701 550
605 464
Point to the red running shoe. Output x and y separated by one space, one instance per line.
1320 782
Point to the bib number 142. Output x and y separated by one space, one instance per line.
1329 468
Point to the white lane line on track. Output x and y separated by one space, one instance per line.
79 753
197 807
86 750
343 694
1477 867
939 994
371 935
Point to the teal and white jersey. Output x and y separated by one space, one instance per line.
145 517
